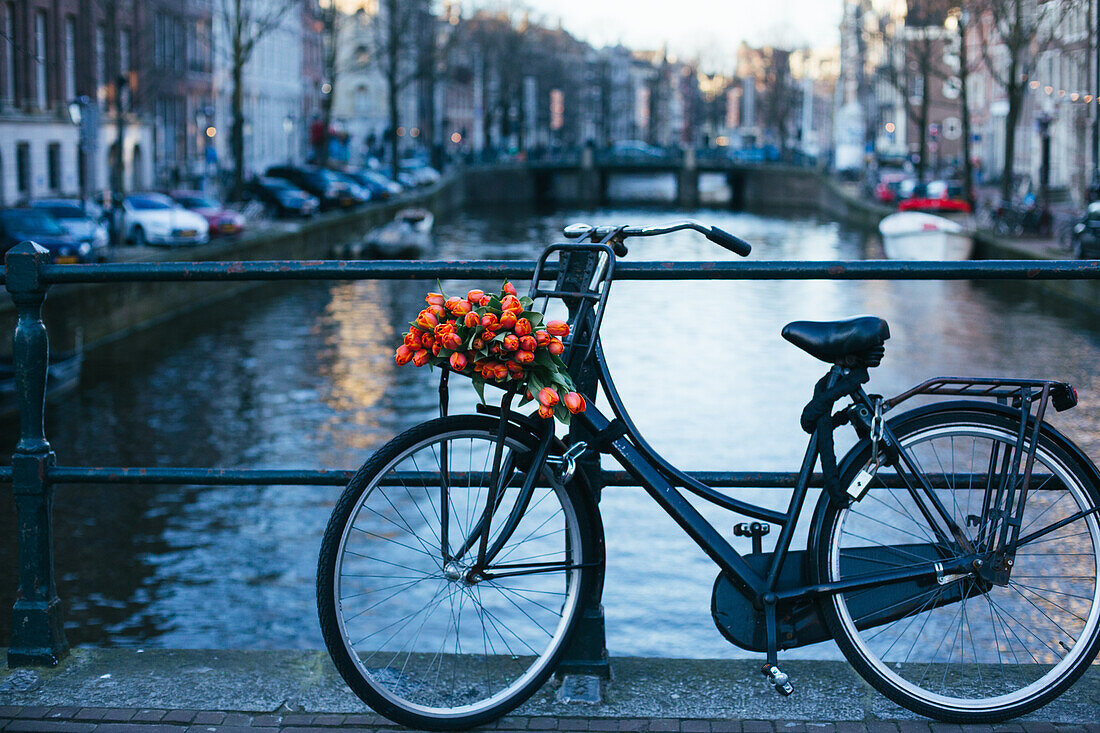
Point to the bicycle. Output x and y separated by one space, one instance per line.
952 555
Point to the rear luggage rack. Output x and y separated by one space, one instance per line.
1062 395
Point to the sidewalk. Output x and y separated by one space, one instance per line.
166 691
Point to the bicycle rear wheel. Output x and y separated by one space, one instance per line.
413 633
958 647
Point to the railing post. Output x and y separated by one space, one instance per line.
587 651
37 632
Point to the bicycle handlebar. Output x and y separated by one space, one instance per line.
718 236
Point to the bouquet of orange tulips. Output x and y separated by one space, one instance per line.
496 339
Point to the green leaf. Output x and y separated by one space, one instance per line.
543 359
479 386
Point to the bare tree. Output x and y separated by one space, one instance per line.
778 107
913 63
245 22
1013 34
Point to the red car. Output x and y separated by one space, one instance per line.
223 222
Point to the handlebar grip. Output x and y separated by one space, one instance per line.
730 242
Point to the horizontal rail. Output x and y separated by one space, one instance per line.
322 477
472 269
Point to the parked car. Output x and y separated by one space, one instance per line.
223 222
35 225
281 198
418 173
888 188
358 191
636 150
1085 238
83 221
331 191
153 218
380 187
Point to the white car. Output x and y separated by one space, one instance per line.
153 218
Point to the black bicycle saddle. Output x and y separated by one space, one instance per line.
854 341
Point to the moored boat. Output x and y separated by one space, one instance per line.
408 236
927 228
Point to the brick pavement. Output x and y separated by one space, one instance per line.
130 720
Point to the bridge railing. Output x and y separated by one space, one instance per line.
37 635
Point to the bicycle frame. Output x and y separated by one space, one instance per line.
585 291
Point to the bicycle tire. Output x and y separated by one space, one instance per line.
387 528
1026 641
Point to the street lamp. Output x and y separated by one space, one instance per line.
1042 123
83 121
288 128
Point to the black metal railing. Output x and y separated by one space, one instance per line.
37 635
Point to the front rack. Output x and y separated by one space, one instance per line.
584 276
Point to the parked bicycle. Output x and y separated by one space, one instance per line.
952 555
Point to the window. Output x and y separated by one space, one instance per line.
53 165
23 167
40 59
9 51
70 58
124 45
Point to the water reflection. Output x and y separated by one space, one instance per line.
301 375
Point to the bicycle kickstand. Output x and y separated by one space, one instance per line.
778 678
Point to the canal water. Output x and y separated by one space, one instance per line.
301 375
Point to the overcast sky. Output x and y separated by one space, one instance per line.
708 29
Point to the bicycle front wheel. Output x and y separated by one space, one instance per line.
962 647
417 634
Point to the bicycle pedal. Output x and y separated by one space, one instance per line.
779 679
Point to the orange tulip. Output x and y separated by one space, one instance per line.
427 340
438 311
555 347
458 361
542 338
524 357
495 350
404 355
574 402
528 343
412 339
511 303
427 320
523 327
509 289
508 320
420 358
436 348
548 397
546 412
558 328
475 296
443 329
510 342
514 367
500 371
459 307
452 341
489 320
434 299
472 320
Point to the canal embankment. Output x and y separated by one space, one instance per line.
280 684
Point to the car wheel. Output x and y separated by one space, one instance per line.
138 237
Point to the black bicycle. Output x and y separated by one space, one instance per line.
952 555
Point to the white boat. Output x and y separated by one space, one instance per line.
408 236
915 235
